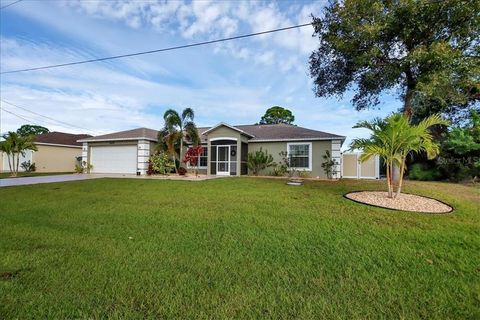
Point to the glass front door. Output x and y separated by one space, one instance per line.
223 160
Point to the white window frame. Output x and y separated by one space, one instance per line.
199 167
309 154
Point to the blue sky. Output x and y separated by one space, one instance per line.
233 82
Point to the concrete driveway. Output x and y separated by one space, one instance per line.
47 179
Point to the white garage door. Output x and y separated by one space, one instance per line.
114 159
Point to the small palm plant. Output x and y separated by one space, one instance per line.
393 139
15 145
176 129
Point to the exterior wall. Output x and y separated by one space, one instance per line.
274 148
225 132
85 153
337 157
142 156
56 158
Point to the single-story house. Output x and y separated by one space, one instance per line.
56 152
226 148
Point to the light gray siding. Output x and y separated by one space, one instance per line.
274 148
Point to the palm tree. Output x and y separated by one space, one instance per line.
177 129
16 145
393 139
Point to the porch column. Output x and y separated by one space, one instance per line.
238 155
209 157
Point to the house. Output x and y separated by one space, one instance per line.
226 148
56 152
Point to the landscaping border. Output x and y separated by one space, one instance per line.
452 208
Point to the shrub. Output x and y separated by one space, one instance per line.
160 163
303 174
328 165
182 171
259 160
279 170
28 166
420 172
78 168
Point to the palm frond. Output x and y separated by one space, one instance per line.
188 114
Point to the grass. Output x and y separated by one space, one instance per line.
5 175
234 248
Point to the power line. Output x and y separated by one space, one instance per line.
10 4
41 115
159 50
19 116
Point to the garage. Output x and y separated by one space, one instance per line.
114 159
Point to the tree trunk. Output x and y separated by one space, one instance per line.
400 180
181 150
18 163
10 163
408 103
389 182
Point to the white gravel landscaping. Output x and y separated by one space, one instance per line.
404 202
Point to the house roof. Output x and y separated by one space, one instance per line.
134 134
277 132
257 133
286 132
60 138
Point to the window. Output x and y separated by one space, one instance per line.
203 159
300 155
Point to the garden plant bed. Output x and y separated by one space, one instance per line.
404 202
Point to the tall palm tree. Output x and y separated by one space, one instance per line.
393 139
177 129
15 145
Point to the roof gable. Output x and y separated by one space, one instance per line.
223 124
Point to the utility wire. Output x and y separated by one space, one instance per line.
19 116
10 4
41 115
159 50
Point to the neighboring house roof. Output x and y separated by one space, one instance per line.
257 133
60 138
135 134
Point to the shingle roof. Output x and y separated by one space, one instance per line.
285 132
279 132
266 132
63 138
134 134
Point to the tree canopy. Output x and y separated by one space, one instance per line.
30 129
428 51
276 114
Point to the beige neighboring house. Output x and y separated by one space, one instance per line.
57 152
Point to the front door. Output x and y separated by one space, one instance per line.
223 162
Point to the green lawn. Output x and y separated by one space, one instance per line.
234 248
4 175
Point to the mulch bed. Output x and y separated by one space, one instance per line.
404 202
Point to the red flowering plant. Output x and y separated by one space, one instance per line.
192 157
